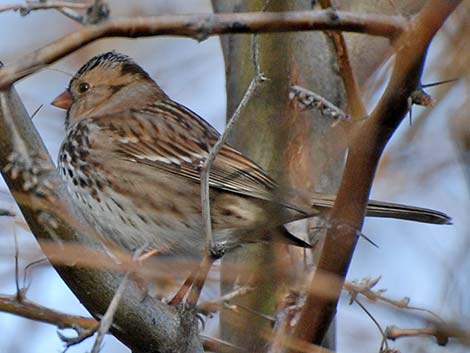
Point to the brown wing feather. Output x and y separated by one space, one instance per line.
168 136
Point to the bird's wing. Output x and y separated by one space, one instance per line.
167 136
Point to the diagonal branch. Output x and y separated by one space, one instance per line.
144 324
28 309
364 153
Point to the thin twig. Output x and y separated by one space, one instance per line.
107 320
266 317
207 165
210 249
382 332
27 278
73 15
442 333
27 7
355 104
33 311
218 304
365 286
19 293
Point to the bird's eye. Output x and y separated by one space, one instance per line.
83 87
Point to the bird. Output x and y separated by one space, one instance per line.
131 159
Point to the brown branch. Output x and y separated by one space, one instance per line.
364 153
211 306
365 286
26 7
442 333
97 10
30 310
144 324
355 105
200 27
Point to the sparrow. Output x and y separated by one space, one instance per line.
131 159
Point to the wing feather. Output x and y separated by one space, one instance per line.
170 137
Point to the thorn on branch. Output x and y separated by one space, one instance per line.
97 13
432 84
421 97
203 29
332 13
8 213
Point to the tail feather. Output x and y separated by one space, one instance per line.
392 210
411 213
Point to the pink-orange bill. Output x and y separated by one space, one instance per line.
63 100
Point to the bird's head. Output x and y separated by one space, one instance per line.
107 83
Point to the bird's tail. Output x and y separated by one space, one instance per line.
391 210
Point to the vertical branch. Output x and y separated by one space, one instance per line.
364 154
206 167
355 105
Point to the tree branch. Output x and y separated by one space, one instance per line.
202 26
364 153
355 105
442 333
29 6
144 324
25 308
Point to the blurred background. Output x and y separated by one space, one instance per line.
426 164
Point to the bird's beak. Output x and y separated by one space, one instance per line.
63 100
